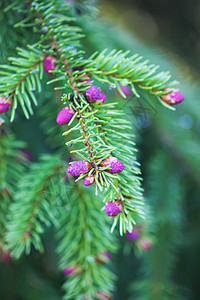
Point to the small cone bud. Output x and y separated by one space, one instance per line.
49 64
134 235
65 115
4 104
102 98
173 97
126 90
93 94
89 180
116 166
79 167
113 208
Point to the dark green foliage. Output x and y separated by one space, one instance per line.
84 236
10 37
166 203
20 79
34 206
12 168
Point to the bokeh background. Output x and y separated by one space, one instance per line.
166 32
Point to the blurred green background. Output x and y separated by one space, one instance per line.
168 33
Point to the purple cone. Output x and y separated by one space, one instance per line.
102 98
49 64
113 208
79 167
134 235
93 93
116 166
4 106
174 97
65 115
126 90
89 180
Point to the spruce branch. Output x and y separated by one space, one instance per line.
75 86
63 40
97 138
33 208
84 238
92 132
11 170
107 138
19 80
10 36
117 67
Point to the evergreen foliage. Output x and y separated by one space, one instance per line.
20 79
34 206
83 246
12 168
